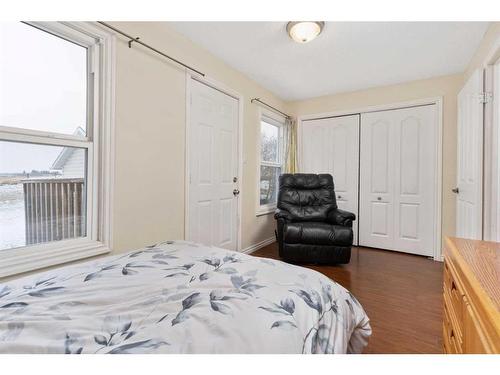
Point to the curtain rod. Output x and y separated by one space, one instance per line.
270 106
136 40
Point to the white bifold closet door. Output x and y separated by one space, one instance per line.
469 188
397 180
331 145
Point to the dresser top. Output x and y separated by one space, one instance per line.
479 260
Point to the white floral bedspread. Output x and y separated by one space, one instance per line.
180 297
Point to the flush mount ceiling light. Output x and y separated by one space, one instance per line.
304 31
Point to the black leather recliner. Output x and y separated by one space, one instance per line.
310 227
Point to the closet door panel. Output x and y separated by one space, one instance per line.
376 174
332 146
314 144
398 149
379 157
410 139
470 159
409 221
415 179
379 219
340 141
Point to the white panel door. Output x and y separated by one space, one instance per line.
397 180
213 160
470 159
332 146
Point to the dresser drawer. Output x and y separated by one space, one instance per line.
454 300
471 293
451 340
475 341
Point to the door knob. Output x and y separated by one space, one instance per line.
339 197
379 198
236 192
456 190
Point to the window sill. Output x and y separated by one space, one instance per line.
30 258
265 211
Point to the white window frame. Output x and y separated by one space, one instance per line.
278 121
100 150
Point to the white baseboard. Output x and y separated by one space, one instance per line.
259 245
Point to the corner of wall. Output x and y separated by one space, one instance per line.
485 50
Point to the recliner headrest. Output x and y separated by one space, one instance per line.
306 181
306 197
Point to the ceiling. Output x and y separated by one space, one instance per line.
347 56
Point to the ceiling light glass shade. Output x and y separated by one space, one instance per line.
304 31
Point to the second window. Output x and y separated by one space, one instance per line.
271 161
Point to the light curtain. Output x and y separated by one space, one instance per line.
290 145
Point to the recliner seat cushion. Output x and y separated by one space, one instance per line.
315 233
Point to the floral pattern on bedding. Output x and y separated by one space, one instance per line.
180 297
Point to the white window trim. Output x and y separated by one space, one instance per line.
277 120
100 179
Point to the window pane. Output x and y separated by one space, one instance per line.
269 144
269 184
42 193
43 80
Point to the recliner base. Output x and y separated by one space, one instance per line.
315 254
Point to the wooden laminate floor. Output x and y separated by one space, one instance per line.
401 293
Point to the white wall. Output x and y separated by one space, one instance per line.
488 44
150 138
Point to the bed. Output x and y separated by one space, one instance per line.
180 297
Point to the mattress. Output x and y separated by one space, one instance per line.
180 297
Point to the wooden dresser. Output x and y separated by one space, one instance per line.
471 296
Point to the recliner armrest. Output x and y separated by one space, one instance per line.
282 214
340 217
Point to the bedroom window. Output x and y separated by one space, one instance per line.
54 143
271 161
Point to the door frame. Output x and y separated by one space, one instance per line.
438 190
190 76
491 145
